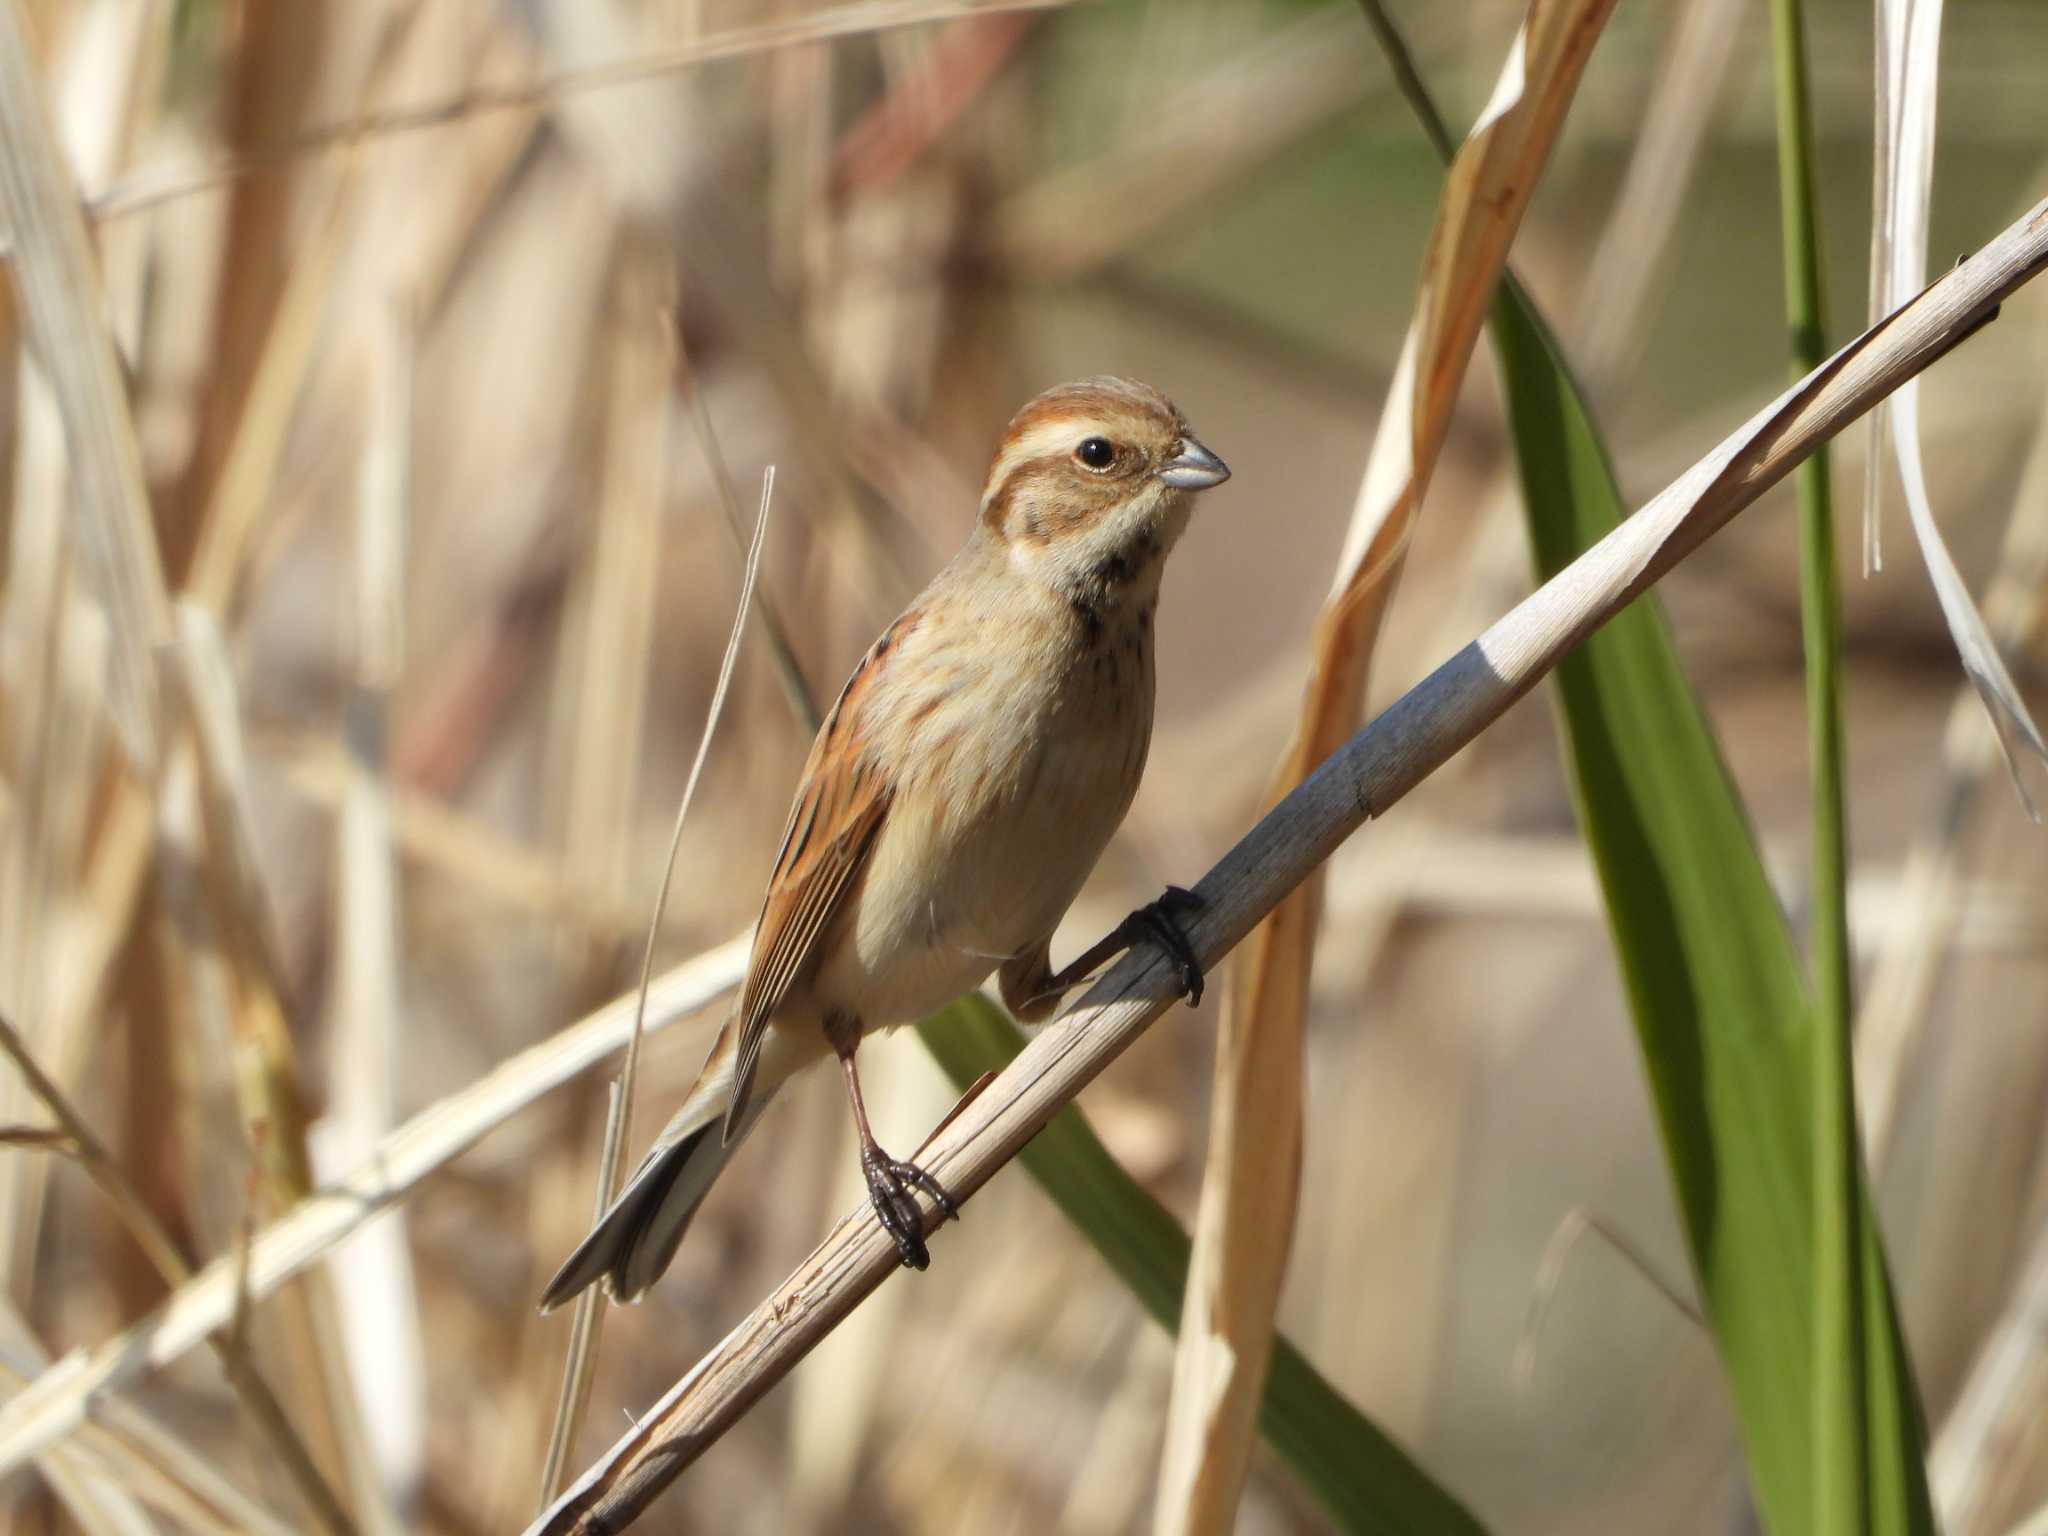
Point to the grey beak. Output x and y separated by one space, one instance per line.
1194 468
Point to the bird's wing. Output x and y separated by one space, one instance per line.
838 812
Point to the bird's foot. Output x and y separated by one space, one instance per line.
891 1190
1156 922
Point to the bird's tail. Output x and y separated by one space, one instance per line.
634 1241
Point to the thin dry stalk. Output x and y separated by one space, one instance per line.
579 1366
1364 778
588 1325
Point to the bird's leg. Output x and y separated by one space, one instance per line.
1155 923
890 1182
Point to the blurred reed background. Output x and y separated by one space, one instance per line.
433 418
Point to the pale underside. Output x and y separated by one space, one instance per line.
904 881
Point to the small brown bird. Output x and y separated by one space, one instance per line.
963 786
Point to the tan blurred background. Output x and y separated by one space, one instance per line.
861 254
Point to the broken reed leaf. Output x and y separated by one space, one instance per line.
1908 71
1244 1227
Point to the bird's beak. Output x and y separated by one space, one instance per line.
1194 468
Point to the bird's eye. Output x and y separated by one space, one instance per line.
1096 452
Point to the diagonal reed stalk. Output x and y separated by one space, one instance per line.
1364 778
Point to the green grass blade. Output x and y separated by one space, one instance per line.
1367 1483
1841 1455
1720 1004
1727 1031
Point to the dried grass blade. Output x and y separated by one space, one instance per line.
588 1324
1251 1175
1932 902
1908 67
57 278
579 1366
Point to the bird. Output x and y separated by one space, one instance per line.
958 794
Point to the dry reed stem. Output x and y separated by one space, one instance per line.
64 310
1370 772
62 1398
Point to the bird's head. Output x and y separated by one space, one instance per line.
1092 482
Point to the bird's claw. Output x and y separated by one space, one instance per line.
891 1186
1156 921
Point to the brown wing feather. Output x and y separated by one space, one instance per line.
832 826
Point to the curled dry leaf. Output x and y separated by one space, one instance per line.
1908 68
1246 1221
